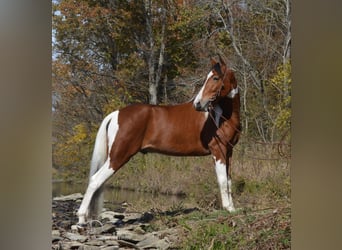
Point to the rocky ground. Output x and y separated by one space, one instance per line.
113 230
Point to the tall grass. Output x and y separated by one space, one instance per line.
260 177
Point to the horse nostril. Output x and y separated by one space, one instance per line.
197 106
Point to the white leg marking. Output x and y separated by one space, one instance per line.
96 181
224 185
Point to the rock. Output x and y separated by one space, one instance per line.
107 215
86 247
95 243
71 197
139 230
111 248
75 237
152 241
107 238
112 243
71 245
66 224
131 217
124 243
106 228
56 238
130 236
112 231
56 233
74 228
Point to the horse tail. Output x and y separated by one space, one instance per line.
100 155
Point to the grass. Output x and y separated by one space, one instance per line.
261 229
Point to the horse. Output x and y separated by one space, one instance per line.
207 124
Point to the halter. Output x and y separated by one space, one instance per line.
231 94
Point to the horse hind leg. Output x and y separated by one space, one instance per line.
95 184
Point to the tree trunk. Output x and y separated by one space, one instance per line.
151 79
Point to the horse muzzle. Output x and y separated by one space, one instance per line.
201 106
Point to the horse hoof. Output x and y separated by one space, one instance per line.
79 227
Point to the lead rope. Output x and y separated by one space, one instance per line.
279 144
217 138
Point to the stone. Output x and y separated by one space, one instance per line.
132 217
56 233
71 245
56 238
71 197
74 228
76 237
124 243
86 247
107 215
107 237
153 242
111 248
95 243
112 243
130 236
106 228
66 224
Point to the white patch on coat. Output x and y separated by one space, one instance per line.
233 92
113 129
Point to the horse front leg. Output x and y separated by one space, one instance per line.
222 169
225 185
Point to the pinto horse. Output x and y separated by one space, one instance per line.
209 124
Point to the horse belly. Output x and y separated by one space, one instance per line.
175 140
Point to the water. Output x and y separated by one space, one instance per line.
114 197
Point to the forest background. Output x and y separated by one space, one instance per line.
110 53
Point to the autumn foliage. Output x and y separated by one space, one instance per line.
108 54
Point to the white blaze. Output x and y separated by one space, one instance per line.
199 95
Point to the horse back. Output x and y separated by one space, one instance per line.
172 130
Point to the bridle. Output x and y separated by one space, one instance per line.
231 94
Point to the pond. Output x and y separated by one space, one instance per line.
115 197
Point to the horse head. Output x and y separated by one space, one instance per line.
220 82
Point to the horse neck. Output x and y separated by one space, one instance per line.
236 105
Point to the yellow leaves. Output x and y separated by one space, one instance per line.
282 82
75 147
283 77
80 133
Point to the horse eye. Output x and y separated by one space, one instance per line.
216 78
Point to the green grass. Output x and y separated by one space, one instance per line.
264 229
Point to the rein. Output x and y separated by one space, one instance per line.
218 126
279 144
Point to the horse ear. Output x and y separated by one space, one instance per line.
221 60
213 62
